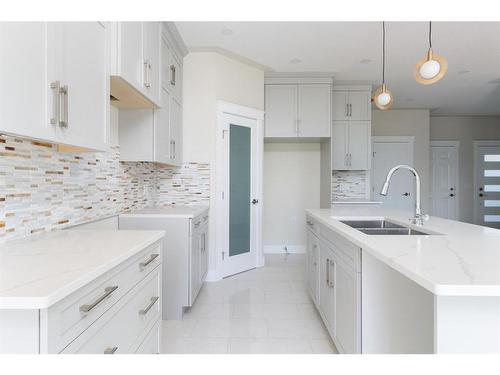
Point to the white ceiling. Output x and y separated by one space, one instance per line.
339 47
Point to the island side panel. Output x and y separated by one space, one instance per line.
397 314
467 324
19 331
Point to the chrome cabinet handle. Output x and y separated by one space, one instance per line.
328 272
350 110
171 149
56 103
111 350
148 307
147 69
107 292
63 122
174 149
143 265
172 75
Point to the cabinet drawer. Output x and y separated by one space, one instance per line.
120 327
70 317
346 250
152 342
313 225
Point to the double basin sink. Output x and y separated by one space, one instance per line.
382 228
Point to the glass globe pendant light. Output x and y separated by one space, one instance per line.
382 96
432 68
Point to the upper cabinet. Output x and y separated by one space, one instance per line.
135 64
50 76
297 110
155 134
351 128
351 104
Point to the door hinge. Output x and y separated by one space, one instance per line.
222 195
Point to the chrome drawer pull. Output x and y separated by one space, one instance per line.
146 263
107 292
111 350
151 304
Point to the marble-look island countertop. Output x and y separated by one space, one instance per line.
167 211
460 260
40 270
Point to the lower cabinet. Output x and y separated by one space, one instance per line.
338 281
199 256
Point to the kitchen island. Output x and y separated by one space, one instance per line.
433 293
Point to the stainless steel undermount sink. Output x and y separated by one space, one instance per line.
382 228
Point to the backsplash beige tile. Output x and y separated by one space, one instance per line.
42 189
348 185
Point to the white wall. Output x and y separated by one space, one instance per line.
465 129
408 122
291 184
208 77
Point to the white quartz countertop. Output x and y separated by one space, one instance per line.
38 271
464 260
168 211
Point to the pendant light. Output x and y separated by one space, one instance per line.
432 68
382 97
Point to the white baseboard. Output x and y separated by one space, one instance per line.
280 249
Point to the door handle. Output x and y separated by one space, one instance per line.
328 272
255 201
63 122
56 103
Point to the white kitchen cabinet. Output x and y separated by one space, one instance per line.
281 111
351 104
312 265
351 145
185 262
302 110
60 69
339 300
153 135
135 64
326 289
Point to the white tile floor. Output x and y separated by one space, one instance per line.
265 311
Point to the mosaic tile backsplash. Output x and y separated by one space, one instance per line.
348 185
42 189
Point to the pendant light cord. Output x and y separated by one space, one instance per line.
430 34
383 52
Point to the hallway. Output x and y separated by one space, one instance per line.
262 311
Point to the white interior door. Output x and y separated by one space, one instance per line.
387 153
241 193
487 183
444 179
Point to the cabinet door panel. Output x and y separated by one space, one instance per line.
162 145
339 105
23 80
339 145
194 274
314 107
151 59
281 111
347 307
359 145
176 131
165 64
131 64
360 105
313 265
326 291
83 58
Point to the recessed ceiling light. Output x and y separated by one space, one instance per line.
463 71
227 32
365 61
295 61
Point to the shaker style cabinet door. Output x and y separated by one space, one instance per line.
359 145
281 111
360 108
130 53
23 80
81 61
340 110
151 60
162 144
175 132
340 134
314 107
